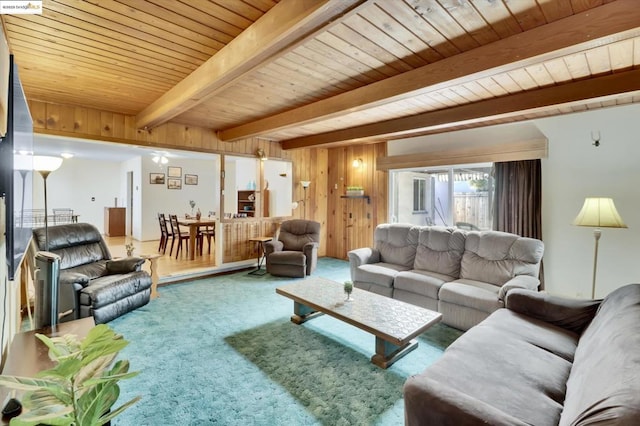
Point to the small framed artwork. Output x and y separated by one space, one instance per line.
174 172
156 178
174 183
190 179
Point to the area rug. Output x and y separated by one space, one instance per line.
222 351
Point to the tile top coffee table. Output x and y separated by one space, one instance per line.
394 323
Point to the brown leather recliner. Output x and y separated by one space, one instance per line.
295 251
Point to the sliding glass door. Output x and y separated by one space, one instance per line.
459 196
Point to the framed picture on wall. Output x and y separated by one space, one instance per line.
190 179
174 172
174 183
156 178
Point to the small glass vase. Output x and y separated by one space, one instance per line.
348 288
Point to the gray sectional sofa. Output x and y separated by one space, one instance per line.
465 275
542 361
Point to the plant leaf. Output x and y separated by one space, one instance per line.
56 415
104 419
26 383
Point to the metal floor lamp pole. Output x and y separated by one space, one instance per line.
596 233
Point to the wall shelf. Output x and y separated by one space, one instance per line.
357 196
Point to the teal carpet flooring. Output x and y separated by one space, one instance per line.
222 351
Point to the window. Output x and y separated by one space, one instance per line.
459 196
419 188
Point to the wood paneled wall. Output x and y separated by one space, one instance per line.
86 123
351 221
345 223
236 234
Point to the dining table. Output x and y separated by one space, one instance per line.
194 225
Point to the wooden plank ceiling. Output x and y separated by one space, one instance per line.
326 72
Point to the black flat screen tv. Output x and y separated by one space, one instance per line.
16 185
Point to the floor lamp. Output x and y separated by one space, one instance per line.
22 164
305 184
45 165
598 213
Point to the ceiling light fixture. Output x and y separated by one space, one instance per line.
66 155
160 159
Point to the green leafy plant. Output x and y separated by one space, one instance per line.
83 385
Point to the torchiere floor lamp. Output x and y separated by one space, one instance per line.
45 165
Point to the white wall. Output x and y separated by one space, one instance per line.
79 180
159 199
74 185
576 169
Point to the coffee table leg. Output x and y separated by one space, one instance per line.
387 353
302 313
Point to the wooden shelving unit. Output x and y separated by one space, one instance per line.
357 196
245 204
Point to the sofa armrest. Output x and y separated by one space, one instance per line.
520 281
309 248
430 402
124 265
272 246
71 278
570 314
363 256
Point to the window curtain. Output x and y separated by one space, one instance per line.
518 199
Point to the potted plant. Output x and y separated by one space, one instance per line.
83 385
354 191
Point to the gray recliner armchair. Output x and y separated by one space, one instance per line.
91 282
295 251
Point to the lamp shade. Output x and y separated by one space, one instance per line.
305 183
22 162
43 163
599 213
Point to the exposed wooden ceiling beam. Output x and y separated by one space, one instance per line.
521 150
506 106
611 22
284 24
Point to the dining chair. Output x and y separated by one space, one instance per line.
209 232
164 233
179 234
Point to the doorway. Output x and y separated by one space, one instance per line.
129 205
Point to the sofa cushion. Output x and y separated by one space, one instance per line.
440 250
111 288
396 243
424 283
92 270
496 257
76 245
472 294
552 338
297 258
605 379
378 273
295 233
496 368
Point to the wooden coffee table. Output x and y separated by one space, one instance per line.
394 323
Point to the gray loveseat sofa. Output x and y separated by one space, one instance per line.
465 275
91 282
541 361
